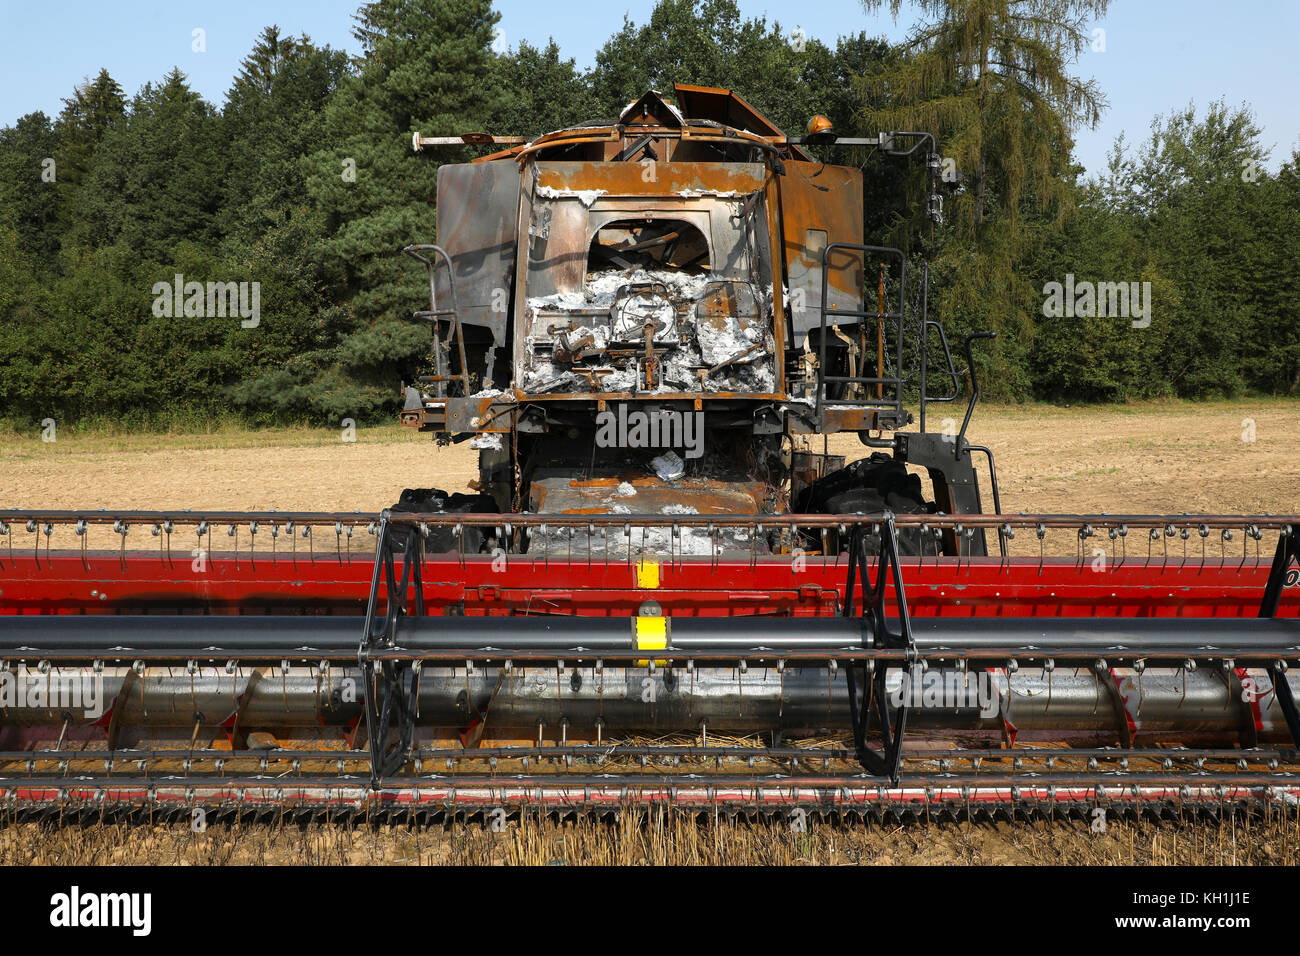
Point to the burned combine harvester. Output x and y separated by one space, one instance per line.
609 293
659 591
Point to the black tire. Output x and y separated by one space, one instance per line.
441 540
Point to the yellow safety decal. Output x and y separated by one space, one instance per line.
651 633
647 573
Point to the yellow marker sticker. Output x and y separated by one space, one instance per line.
651 633
647 573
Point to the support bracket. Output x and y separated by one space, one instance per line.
871 714
1287 554
392 687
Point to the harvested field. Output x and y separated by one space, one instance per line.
671 838
1152 457
1224 457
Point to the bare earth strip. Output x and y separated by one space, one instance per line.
1167 457
1162 457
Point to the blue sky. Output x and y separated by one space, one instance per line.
1159 56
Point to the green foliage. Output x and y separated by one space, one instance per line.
28 184
541 92
785 76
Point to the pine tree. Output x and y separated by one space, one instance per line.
94 109
154 180
541 92
991 79
272 118
28 180
426 66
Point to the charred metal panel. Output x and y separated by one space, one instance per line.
477 209
585 312
819 205
729 108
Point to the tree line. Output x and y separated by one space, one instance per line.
303 181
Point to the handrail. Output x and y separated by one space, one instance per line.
434 314
896 381
974 381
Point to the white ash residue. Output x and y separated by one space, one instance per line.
714 341
557 543
488 442
602 287
719 344
584 196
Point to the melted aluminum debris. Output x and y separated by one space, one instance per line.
745 352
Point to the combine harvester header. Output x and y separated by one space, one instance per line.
657 592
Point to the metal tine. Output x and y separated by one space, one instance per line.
80 531
122 528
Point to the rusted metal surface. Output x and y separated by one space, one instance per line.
486 414
730 109
669 180
518 233
820 205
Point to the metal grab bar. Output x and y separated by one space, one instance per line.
434 315
895 382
